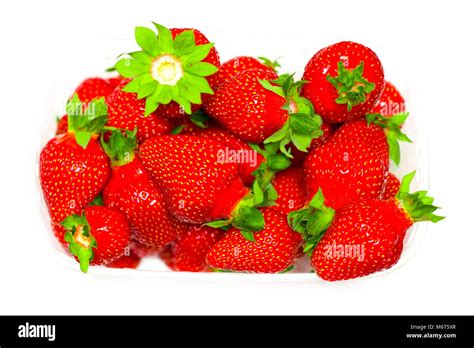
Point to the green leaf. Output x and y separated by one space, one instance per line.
257 193
184 43
150 106
278 162
249 218
165 39
217 223
275 89
301 141
147 40
200 119
199 53
146 89
202 69
128 67
248 235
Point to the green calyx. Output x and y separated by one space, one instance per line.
351 86
303 124
246 217
312 221
80 240
121 146
275 161
98 201
418 205
392 126
167 69
86 119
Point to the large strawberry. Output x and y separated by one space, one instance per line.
173 66
131 190
199 184
344 81
258 106
289 184
391 101
233 67
126 112
354 162
272 250
188 252
362 237
98 236
73 166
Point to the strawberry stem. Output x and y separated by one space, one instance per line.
418 205
351 86
312 221
80 240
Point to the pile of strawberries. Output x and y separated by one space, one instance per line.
233 166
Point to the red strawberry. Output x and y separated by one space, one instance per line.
367 236
390 103
345 80
131 190
172 71
248 109
97 237
188 252
291 190
242 154
126 112
391 187
126 261
92 88
73 166
273 250
198 184
300 156
230 69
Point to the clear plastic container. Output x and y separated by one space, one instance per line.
414 157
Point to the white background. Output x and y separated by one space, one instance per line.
426 48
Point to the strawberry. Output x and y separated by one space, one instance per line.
273 249
188 252
131 190
258 106
242 154
73 166
126 261
230 69
291 190
172 71
126 112
300 156
345 80
93 88
98 236
354 162
199 184
362 237
392 186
